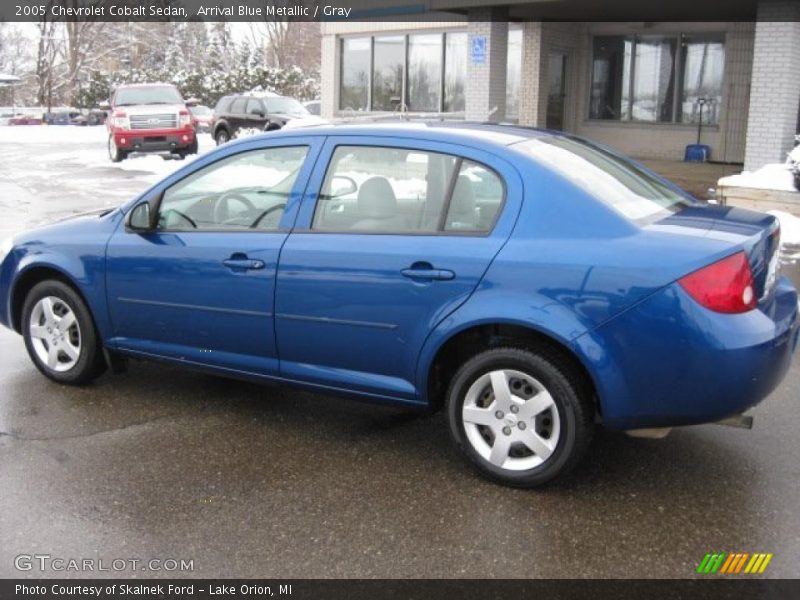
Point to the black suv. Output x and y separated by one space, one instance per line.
238 113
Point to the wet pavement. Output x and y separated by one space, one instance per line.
251 481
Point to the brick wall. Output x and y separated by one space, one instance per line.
485 94
775 90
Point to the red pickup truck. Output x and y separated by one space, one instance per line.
149 117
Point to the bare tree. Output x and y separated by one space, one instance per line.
285 43
15 53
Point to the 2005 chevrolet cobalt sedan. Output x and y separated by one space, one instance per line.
533 283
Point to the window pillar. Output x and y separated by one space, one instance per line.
486 71
775 84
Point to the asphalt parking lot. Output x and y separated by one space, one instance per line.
250 481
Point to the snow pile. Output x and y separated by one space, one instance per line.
769 177
790 227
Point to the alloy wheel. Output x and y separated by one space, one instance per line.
511 420
55 334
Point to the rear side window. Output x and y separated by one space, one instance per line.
238 105
396 190
631 191
223 105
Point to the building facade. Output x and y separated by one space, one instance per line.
641 87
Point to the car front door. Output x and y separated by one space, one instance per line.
199 286
392 236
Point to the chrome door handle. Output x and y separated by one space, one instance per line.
243 264
428 274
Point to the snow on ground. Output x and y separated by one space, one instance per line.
769 177
790 227
87 147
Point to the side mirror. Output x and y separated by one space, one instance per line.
341 185
104 105
139 219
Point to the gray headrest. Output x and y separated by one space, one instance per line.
376 199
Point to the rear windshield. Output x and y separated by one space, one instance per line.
621 184
152 94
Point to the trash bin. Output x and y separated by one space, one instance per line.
697 153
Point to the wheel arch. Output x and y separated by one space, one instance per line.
30 277
461 343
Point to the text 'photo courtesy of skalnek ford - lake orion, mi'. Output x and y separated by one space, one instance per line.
399 299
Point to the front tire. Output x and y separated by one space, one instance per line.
522 417
114 153
60 335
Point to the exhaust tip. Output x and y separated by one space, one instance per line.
652 433
740 421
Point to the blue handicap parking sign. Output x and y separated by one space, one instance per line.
478 50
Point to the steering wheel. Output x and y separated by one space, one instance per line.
183 216
270 210
221 210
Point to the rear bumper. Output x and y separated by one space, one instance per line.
669 362
154 140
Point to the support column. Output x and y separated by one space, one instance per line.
775 84
487 51
330 76
532 85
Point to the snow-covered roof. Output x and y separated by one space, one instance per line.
6 78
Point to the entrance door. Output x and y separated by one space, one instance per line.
557 89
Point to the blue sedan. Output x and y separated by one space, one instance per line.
532 283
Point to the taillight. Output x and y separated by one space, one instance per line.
725 286
184 118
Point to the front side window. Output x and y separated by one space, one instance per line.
396 190
254 107
657 78
248 191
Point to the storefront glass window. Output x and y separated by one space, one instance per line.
387 72
424 72
354 94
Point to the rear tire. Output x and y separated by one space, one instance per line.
60 335
522 417
192 149
222 137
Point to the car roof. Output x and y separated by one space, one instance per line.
445 131
151 84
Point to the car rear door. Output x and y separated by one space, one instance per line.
200 287
256 114
367 273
